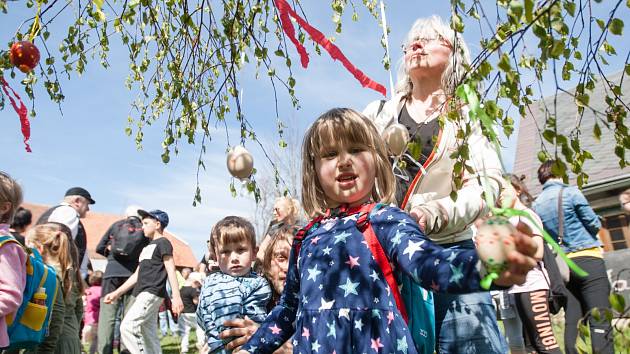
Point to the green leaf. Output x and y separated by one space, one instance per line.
456 23
597 132
529 10
549 135
504 63
581 345
570 7
616 26
600 23
617 302
557 48
516 10
582 100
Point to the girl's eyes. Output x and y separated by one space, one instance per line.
332 154
357 149
329 154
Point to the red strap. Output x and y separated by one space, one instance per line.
285 10
382 261
366 229
299 236
21 111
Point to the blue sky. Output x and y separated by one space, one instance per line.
87 146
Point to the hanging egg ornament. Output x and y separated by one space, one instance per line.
24 55
396 137
494 241
240 162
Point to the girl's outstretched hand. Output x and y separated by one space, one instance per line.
521 260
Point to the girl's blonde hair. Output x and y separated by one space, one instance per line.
294 208
343 126
11 192
58 251
458 60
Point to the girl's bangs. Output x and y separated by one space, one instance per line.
335 130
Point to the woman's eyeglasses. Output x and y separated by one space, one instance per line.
420 42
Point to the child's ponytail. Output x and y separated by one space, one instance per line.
55 241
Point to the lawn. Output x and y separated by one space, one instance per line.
171 344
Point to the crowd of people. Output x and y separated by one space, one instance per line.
334 284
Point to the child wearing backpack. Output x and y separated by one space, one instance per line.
336 296
12 256
54 242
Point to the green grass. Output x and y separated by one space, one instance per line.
171 344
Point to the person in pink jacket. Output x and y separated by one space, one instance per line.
12 256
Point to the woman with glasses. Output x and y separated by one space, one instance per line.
434 63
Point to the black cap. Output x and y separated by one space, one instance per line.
80 192
156 214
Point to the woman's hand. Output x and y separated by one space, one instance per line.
521 260
241 329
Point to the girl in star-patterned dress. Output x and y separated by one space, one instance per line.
336 299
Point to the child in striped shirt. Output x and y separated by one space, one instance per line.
236 291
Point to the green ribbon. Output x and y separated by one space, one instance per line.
510 212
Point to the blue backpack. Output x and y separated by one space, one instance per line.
28 326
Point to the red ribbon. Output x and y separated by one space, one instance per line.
285 11
21 111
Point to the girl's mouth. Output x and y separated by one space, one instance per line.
346 177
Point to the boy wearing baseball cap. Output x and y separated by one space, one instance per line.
156 265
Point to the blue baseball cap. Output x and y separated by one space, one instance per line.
156 214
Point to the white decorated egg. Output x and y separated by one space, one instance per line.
396 137
240 162
494 241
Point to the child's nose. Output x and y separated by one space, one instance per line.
344 159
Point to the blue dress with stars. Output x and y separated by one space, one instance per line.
335 298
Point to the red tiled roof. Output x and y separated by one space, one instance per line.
96 224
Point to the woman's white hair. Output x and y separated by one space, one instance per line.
460 56
132 210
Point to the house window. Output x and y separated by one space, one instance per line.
618 232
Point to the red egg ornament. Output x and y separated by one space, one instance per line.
24 55
240 162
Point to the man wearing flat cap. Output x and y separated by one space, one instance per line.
74 207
